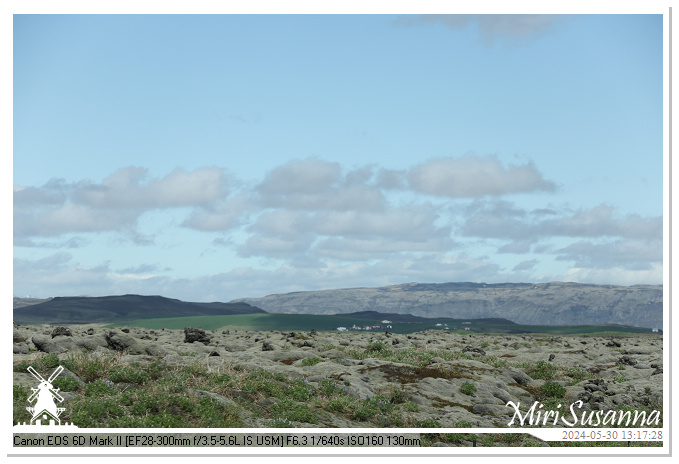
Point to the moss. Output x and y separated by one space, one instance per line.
537 393
377 346
292 411
428 423
412 374
311 361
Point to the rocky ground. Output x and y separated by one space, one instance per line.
448 379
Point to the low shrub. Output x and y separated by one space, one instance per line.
49 361
66 384
292 411
377 346
468 388
300 390
328 387
100 388
553 389
311 361
578 374
129 375
543 370
398 396
341 404
409 406
428 423
20 393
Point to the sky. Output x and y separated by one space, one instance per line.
215 157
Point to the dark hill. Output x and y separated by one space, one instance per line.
109 309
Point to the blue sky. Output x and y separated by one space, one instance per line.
213 157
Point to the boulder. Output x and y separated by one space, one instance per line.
119 341
233 347
474 351
91 342
192 335
518 376
65 331
154 349
18 337
53 345
20 348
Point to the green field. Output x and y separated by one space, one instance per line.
245 322
306 322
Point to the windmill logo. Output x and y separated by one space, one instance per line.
45 410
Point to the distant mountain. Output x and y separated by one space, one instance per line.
376 316
109 309
553 303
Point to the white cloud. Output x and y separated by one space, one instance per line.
54 192
606 240
497 219
365 249
70 217
72 242
279 234
652 275
130 188
282 222
314 185
493 27
115 204
517 247
600 221
525 265
391 179
348 234
414 223
310 185
301 177
276 247
222 215
501 219
626 253
143 269
474 177
328 225
58 275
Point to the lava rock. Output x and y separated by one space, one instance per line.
62 331
192 335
